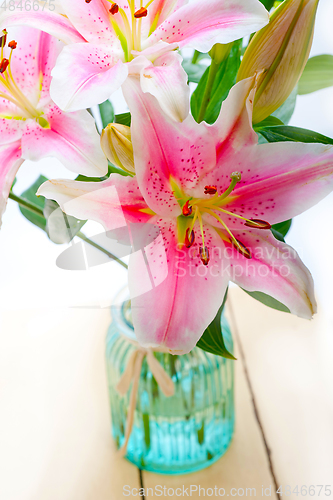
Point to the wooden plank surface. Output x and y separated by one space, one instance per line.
55 438
55 441
289 362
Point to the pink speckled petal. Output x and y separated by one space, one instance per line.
10 162
282 180
233 128
72 138
34 57
99 71
278 181
204 23
275 269
92 20
233 136
10 130
112 203
167 81
51 22
167 284
160 10
184 151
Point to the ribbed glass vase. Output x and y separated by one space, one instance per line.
181 433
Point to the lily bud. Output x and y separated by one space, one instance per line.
220 51
280 51
117 146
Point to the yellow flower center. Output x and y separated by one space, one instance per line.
194 208
10 91
130 33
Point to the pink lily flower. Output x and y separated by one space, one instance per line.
213 192
110 40
32 127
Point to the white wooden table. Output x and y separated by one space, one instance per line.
55 441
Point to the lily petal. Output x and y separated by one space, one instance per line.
72 138
160 10
163 305
11 130
275 269
10 162
32 62
283 180
180 151
167 81
99 71
233 128
50 21
278 181
112 203
202 24
92 20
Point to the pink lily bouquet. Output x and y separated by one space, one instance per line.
206 182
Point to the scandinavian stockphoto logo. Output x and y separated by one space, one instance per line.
145 244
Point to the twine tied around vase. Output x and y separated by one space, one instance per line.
132 373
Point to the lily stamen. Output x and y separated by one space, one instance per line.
114 9
204 255
256 223
187 210
204 252
189 238
142 12
7 81
4 65
236 243
242 249
210 190
149 3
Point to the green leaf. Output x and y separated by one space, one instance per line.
317 74
281 229
124 119
286 133
270 121
30 195
268 4
61 228
225 79
116 170
194 71
83 178
269 301
286 111
198 56
223 83
112 169
212 338
107 113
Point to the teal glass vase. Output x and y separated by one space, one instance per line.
178 434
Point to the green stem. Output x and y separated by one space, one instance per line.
195 56
38 211
208 90
26 204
